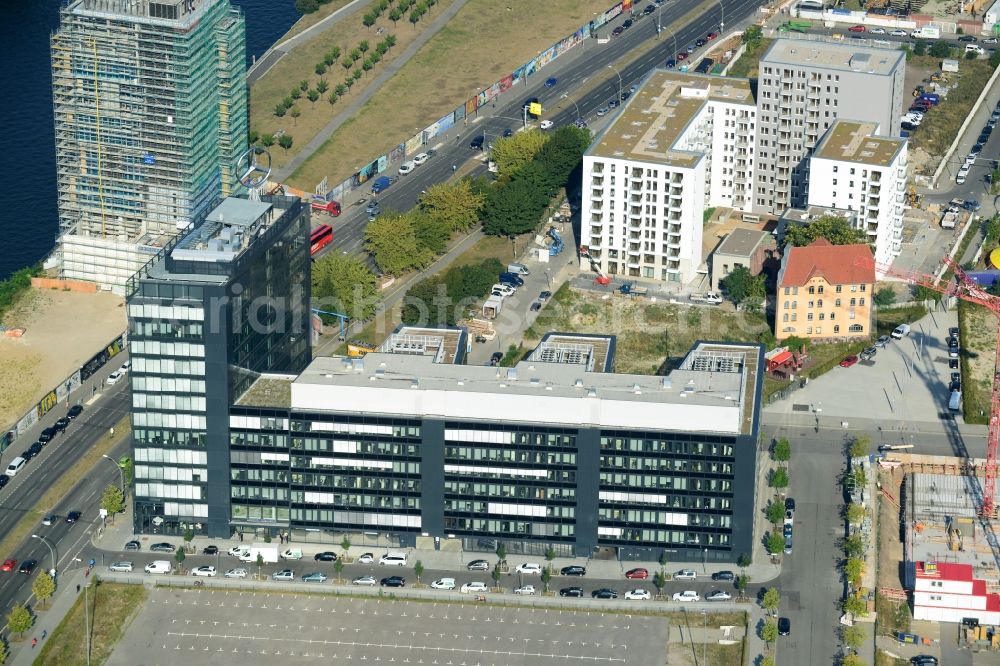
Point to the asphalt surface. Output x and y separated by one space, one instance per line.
255 628
591 61
59 457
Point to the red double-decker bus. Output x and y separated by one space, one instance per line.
321 237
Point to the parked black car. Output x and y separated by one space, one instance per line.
74 412
47 435
784 626
326 556
571 592
724 575
393 581
604 593
574 570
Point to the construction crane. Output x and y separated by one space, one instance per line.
966 289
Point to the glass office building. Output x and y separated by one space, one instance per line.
223 304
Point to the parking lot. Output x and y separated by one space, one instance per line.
909 377
254 628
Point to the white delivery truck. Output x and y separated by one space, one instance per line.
268 553
927 32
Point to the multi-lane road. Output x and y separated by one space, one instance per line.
61 456
639 48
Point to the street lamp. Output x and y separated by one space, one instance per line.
674 35
612 68
704 637
121 472
722 16
52 551
566 96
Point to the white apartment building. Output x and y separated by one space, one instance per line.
803 87
851 169
682 143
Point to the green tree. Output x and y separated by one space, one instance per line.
4 651
369 19
659 582
854 546
853 636
779 478
267 139
663 558
113 501
775 512
831 227
43 587
341 90
922 293
855 606
280 110
392 241
295 113
546 578
769 632
782 450
775 543
320 68
19 619
180 556
355 54
885 297
752 37
253 136
344 283
414 17
322 86
338 567
550 554
285 141
432 234
501 552
329 58
513 152
306 6
971 55
357 74
345 543
855 514
455 204
771 600
860 446
854 570
304 85
260 561
363 46
367 65
346 62
288 102
313 95
744 288
852 660
742 582
395 15
333 98
389 41
920 48
496 576
418 570
939 50
513 209
295 93
743 561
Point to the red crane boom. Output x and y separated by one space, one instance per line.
965 288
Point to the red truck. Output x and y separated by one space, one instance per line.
331 207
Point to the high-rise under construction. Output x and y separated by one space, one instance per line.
150 108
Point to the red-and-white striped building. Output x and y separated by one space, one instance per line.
947 592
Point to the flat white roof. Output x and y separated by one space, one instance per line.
713 391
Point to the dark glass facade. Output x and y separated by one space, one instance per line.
200 332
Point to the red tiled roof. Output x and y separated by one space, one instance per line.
945 571
839 264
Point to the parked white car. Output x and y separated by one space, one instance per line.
528 590
529 568
444 584
365 580
236 551
366 558
638 594
718 595
284 574
121 567
686 574
546 124
239 572
114 377
420 159
475 586
406 167
207 570
686 595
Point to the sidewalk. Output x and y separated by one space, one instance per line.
450 557
22 654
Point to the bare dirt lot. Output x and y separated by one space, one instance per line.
63 329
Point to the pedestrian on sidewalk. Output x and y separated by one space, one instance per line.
45 632
34 642
78 588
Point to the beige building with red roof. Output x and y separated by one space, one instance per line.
825 291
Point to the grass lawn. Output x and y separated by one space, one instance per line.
978 329
887 319
300 64
483 42
882 658
652 337
941 125
747 64
112 608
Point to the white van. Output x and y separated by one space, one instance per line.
158 567
900 331
15 466
955 401
396 558
518 269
